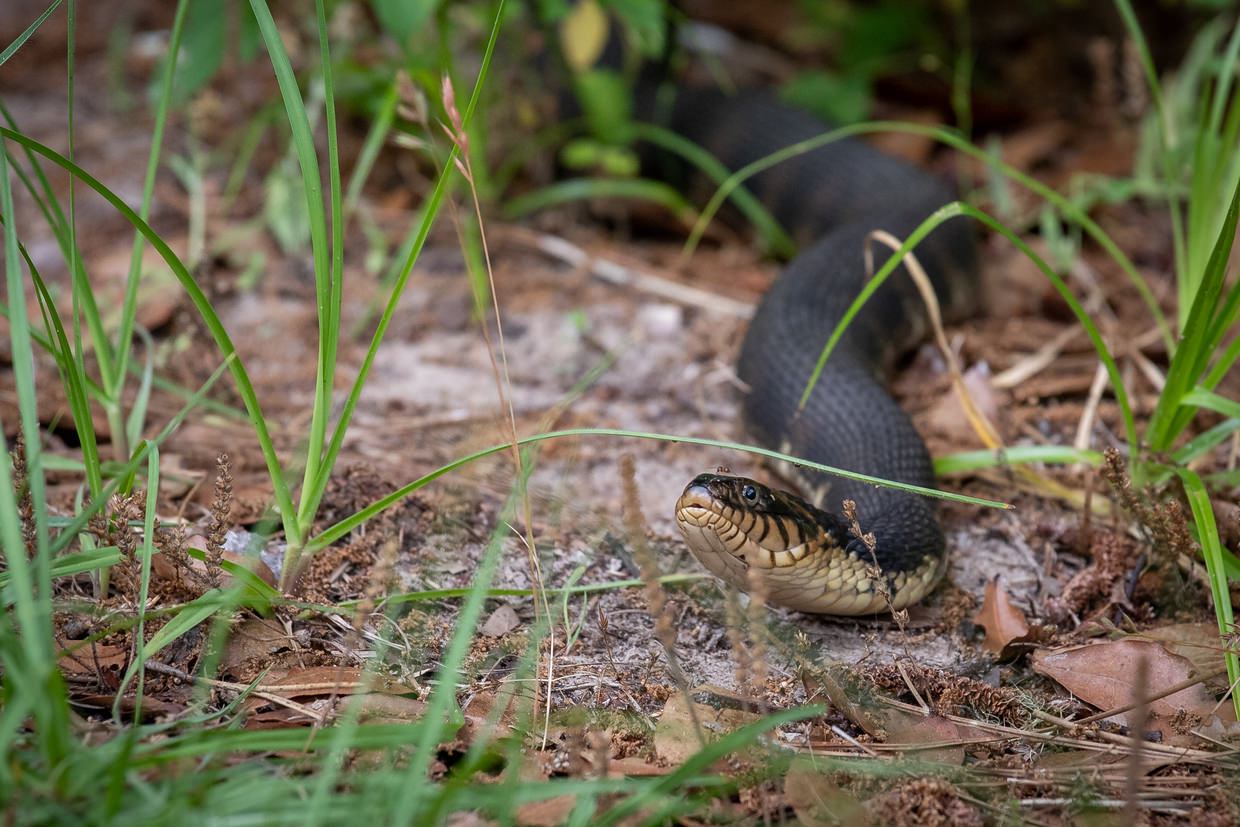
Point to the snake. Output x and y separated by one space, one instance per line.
802 551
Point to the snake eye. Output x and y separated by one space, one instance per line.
749 494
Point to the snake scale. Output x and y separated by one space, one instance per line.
801 553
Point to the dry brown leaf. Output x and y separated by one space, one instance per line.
917 732
99 659
634 767
1199 642
255 640
502 621
675 738
1079 760
825 684
280 717
1004 623
165 569
817 800
1102 674
152 708
547 812
947 416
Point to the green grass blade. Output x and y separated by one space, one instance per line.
70 530
1104 354
307 160
1189 363
1223 364
329 336
954 209
28 660
1168 140
701 760
871 286
114 380
1211 549
1205 442
137 411
581 189
1199 397
147 551
379 129
245 388
775 239
186 618
450 594
21 39
74 381
967 461
67 565
441 708
335 532
429 213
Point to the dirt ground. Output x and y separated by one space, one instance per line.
579 351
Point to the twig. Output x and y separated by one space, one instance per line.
260 692
615 273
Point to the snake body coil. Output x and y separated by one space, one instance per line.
829 199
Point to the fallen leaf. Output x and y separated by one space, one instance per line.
1004 623
152 708
280 717
718 711
824 683
547 812
253 642
634 767
1199 642
947 415
98 659
818 801
502 621
925 738
1102 674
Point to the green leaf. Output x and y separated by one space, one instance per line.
606 101
401 18
1212 552
285 212
203 47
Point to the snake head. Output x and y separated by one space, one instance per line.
732 523
759 538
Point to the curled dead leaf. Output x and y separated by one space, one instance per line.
1004 623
